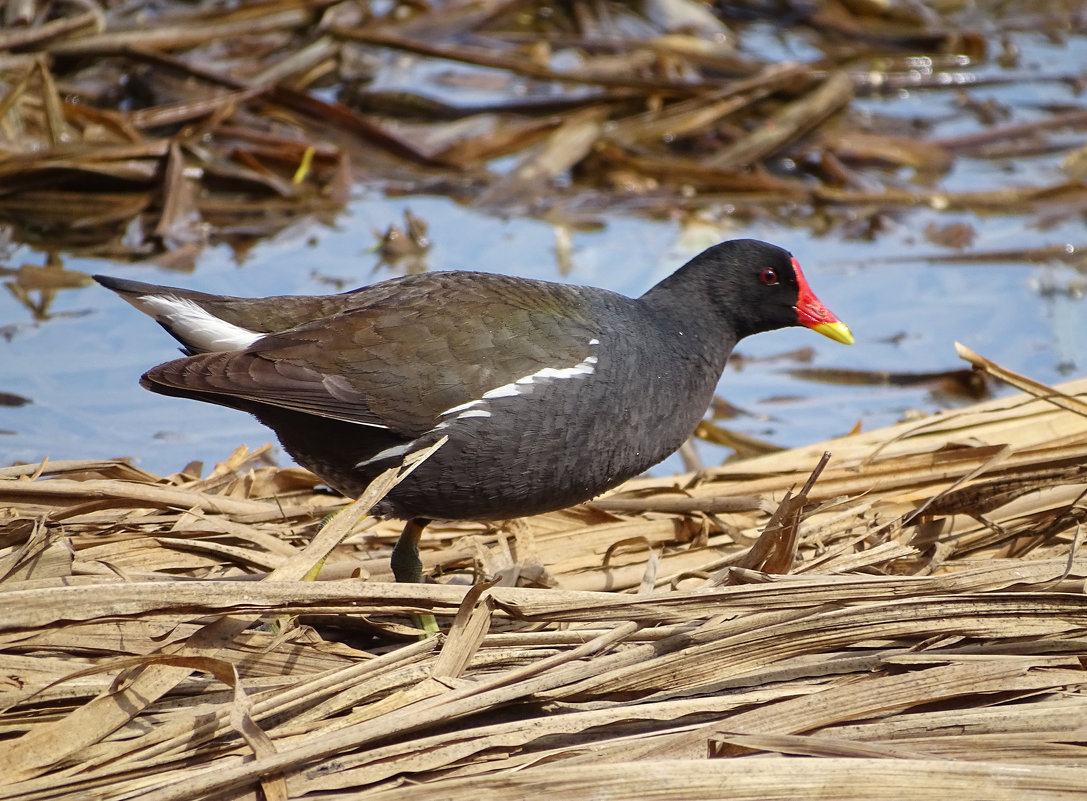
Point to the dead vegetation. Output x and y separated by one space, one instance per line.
141 131
903 619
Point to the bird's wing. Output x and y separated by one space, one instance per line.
402 361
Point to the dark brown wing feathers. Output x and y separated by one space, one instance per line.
360 364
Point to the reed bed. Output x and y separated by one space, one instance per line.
891 614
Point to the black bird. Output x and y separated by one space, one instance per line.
549 394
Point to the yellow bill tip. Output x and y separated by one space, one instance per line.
838 331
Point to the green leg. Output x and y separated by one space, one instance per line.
408 567
406 564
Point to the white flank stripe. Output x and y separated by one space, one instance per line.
504 391
581 368
473 413
585 367
198 329
461 408
388 453
467 410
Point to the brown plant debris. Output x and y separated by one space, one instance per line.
894 614
138 131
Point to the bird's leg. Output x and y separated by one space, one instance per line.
408 567
406 564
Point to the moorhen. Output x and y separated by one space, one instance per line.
550 394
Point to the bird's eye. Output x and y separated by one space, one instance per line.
768 277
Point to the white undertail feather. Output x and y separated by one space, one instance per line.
199 330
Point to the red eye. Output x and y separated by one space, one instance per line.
768 277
